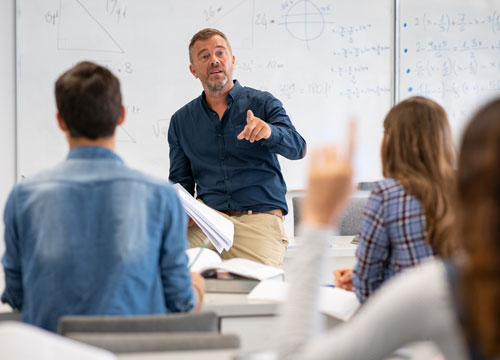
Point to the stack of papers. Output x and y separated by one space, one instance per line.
336 302
219 230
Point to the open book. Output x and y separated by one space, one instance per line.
233 275
219 230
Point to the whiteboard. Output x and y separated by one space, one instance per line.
449 51
324 59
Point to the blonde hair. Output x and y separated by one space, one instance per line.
418 151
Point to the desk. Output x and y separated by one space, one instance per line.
181 355
254 321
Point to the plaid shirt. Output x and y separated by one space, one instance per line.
391 238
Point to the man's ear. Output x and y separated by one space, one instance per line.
61 123
193 71
121 120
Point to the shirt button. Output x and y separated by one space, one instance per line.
225 177
219 135
229 196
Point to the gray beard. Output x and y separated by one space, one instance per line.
217 86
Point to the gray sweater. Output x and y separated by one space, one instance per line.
414 306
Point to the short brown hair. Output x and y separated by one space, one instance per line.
89 100
418 151
204 35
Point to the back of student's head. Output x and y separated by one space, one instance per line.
418 151
89 100
478 226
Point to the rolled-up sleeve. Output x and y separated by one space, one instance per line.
284 139
180 165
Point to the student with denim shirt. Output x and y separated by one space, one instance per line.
405 219
92 236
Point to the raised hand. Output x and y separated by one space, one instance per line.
330 183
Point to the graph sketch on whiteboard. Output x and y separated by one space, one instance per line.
75 16
305 21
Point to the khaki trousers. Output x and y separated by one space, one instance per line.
258 237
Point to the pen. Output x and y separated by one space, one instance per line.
328 285
204 245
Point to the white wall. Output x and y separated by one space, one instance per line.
8 106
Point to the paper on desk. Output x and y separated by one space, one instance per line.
219 230
336 302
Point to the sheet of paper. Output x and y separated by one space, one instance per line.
335 302
250 269
219 230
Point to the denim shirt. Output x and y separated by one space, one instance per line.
231 173
92 236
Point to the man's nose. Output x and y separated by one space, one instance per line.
214 60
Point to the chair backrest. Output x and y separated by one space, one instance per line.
350 221
203 321
157 342
10 316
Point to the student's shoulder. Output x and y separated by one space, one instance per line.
388 187
147 179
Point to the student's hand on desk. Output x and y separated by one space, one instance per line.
343 278
190 221
199 287
255 130
330 183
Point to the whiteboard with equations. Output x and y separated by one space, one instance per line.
324 59
449 51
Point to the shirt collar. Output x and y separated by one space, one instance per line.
93 152
231 96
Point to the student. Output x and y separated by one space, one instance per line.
453 304
225 145
92 236
405 219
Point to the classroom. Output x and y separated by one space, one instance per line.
326 61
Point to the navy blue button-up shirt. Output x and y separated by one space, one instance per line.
92 236
231 173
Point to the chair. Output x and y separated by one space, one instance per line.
350 221
142 342
203 321
150 333
10 316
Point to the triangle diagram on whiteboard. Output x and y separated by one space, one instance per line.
122 135
79 29
235 17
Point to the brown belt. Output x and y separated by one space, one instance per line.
229 212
